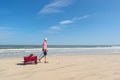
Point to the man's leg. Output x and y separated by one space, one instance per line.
45 53
45 59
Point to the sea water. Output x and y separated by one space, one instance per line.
24 50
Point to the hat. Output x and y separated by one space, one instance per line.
45 39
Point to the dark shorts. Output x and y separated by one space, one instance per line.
45 52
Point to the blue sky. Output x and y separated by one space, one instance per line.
63 22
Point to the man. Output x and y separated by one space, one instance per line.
44 49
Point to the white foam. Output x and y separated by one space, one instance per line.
37 51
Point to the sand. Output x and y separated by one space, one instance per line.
63 67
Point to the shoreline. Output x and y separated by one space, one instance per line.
67 54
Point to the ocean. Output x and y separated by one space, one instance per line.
24 50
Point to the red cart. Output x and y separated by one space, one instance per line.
30 59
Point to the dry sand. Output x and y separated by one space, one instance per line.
63 67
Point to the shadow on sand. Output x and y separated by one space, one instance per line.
22 63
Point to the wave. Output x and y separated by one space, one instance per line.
62 50
53 46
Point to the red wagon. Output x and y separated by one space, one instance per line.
30 59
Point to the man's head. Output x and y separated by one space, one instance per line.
45 39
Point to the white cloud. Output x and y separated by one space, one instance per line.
79 18
55 6
73 20
66 22
55 28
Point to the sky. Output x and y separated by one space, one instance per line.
63 22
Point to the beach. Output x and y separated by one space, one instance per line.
63 67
